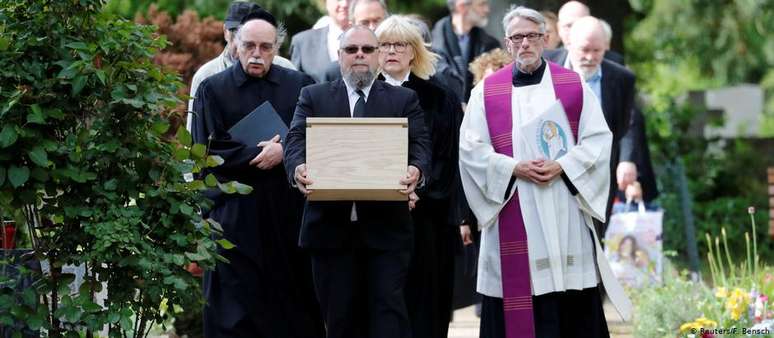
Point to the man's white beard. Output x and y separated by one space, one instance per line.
477 20
359 80
587 74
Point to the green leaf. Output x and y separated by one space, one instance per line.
4 43
69 71
36 115
225 244
209 180
215 225
2 176
8 136
110 185
161 127
101 76
243 189
39 174
18 175
186 209
214 161
113 317
183 136
182 154
39 156
77 45
198 151
78 83
227 188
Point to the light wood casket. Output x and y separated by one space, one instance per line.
359 159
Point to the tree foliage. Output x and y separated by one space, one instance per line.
677 47
87 161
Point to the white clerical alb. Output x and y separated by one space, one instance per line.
564 251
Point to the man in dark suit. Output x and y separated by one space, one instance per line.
461 38
360 251
634 148
265 289
612 83
570 12
313 50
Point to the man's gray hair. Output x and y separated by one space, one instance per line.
282 32
525 13
453 3
420 24
354 4
607 29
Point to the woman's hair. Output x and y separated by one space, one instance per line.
494 59
634 247
399 28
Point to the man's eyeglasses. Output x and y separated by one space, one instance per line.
367 49
400 47
531 37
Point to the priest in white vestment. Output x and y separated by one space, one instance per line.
558 199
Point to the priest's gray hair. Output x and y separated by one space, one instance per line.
525 13
282 33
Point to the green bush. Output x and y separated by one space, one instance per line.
87 161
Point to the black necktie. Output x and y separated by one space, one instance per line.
359 105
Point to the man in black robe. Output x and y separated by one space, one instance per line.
265 290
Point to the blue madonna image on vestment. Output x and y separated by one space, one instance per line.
552 140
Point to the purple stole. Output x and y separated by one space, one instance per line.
514 258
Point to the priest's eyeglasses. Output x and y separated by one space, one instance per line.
400 47
352 49
531 37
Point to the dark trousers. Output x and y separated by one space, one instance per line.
361 292
569 314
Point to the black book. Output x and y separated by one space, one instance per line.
261 124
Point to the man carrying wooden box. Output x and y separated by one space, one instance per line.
360 249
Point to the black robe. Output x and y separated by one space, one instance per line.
266 288
438 214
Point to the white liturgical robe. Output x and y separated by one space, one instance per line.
563 247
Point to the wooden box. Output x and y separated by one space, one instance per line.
359 159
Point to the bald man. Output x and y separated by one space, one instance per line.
570 12
265 289
613 84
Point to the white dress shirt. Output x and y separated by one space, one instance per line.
334 32
353 97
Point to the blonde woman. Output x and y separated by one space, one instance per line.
406 61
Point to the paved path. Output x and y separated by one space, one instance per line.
465 324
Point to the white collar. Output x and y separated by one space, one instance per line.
395 82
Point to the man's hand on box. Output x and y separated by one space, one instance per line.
302 180
410 180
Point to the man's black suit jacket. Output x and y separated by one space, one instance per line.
559 56
634 148
446 42
617 104
381 225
